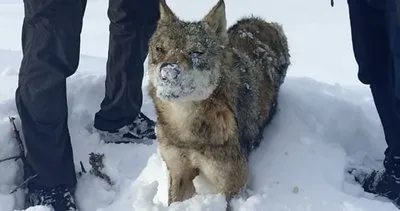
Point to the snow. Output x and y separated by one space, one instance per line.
326 120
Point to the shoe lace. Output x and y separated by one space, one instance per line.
141 123
144 119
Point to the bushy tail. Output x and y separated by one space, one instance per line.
262 46
266 43
283 62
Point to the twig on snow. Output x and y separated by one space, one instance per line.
96 161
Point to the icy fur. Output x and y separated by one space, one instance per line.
192 85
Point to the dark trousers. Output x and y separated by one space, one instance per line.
51 46
376 44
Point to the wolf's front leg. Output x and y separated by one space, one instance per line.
181 173
181 185
227 171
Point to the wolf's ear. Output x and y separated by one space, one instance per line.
216 18
166 13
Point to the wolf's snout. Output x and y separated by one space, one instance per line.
169 71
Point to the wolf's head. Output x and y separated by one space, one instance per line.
185 57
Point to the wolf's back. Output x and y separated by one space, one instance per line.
261 59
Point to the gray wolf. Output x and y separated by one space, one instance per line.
214 90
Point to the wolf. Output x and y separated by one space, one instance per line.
214 90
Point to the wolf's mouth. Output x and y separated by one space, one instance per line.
172 90
189 85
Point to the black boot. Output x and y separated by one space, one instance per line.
140 130
384 182
59 198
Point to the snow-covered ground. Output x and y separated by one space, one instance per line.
326 119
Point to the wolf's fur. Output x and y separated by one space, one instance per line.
214 89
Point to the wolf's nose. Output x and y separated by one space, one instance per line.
169 71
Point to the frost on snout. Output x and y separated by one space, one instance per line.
169 72
176 84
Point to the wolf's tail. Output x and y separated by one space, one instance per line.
266 43
282 55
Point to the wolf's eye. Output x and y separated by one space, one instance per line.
159 49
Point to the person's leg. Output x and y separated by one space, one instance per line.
132 22
392 15
371 50
369 39
393 23
383 98
50 46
